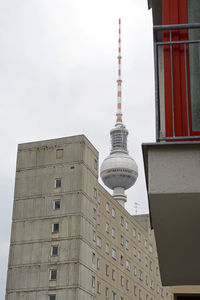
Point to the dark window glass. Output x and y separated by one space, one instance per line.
53 274
57 204
54 251
52 297
55 227
58 183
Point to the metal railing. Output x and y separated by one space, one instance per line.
160 42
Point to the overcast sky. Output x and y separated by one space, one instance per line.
58 71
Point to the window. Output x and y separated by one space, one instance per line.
157 271
146 261
126 245
139 237
98 263
167 296
127 284
134 232
99 242
93 281
113 295
147 281
95 193
98 287
57 183
55 227
113 274
98 199
53 274
151 265
162 292
152 284
95 164
158 289
107 292
56 204
98 219
134 251
122 221
54 250
113 212
114 255
107 270
94 236
94 213
122 298
121 260
140 275
150 248
107 207
149 230
93 258
135 271
59 153
146 244
135 290
147 297
122 240
128 265
52 297
122 280
107 227
107 248
126 225
113 232
139 255
140 294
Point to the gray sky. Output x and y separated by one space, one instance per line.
58 71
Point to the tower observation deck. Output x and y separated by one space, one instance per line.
119 170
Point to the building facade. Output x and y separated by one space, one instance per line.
70 238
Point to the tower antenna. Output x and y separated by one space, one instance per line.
119 81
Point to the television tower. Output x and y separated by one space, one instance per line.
119 170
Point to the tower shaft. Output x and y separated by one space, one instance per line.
119 81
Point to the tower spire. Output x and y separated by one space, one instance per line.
119 81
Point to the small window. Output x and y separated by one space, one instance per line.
95 164
52 297
98 287
107 270
140 294
121 260
146 261
140 275
93 258
56 204
135 290
113 212
93 281
94 213
147 281
126 245
162 292
57 183
127 285
122 281
107 248
53 274
54 250
147 297
55 227
134 251
107 292
95 193
107 207
158 289
114 254
98 219
98 263
113 232
151 265
107 227
98 199
126 225
152 284
122 221
150 248
113 274
135 270
99 242
139 237
94 236
128 265
134 232
113 295
149 230
157 271
122 240
59 153
146 244
139 255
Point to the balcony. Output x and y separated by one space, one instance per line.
172 164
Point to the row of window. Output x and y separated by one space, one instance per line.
136 291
